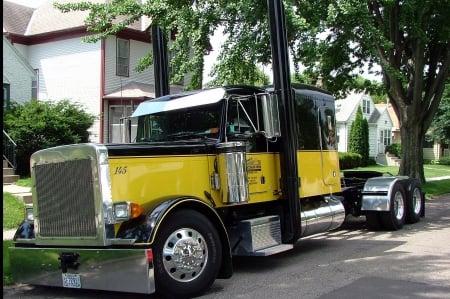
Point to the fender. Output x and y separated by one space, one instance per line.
376 194
145 228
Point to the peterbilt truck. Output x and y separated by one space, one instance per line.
211 174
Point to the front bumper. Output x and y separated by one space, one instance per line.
123 270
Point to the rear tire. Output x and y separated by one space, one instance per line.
414 203
394 219
187 255
373 220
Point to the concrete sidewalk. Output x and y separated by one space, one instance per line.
14 189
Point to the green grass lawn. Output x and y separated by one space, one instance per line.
7 279
430 171
13 211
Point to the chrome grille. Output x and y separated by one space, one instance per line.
65 193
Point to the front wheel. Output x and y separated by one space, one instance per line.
395 217
187 255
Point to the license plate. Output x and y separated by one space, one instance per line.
71 280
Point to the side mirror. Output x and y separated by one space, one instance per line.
271 115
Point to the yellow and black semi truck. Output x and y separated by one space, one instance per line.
211 174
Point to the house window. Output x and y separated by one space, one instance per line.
35 86
6 95
118 128
366 106
386 137
123 57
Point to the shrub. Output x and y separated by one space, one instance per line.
444 161
371 162
394 148
37 125
359 137
349 160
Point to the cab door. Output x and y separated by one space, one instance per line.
328 147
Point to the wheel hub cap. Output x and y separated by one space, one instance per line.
184 254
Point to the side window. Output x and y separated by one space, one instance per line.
35 86
366 106
6 95
242 117
306 121
123 57
327 128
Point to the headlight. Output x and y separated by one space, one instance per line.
29 216
126 210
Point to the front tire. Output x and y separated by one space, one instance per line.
394 219
414 203
187 255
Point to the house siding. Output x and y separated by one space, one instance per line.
344 129
379 119
18 74
70 69
383 123
137 50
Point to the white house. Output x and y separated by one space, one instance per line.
380 123
18 75
100 76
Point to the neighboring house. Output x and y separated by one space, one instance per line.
432 150
18 76
396 137
380 123
100 75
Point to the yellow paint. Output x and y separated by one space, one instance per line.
148 180
319 172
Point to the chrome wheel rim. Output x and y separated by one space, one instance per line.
399 205
416 200
185 254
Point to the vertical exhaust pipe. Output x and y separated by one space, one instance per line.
283 88
160 62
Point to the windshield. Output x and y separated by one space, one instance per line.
190 123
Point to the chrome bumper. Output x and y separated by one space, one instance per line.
123 270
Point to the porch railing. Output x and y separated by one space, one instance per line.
9 150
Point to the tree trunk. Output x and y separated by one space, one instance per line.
412 137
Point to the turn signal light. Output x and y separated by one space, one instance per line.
126 210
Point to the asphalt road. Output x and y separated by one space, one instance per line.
350 262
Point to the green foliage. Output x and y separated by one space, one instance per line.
359 137
13 211
246 74
349 160
444 161
441 124
394 148
37 125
